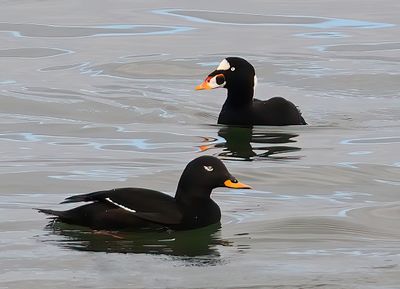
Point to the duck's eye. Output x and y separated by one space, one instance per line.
208 168
220 79
233 68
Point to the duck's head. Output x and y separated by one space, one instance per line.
205 173
231 73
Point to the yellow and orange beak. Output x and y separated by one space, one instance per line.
205 84
235 185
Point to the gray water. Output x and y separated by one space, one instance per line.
100 94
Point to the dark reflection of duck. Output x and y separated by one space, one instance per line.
240 144
199 242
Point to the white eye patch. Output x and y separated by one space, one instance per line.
224 65
233 68
213 82
208 168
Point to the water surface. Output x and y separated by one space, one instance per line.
102 96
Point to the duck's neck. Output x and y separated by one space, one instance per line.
239 97
189 192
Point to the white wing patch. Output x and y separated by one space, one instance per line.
119 205
224 65
255 82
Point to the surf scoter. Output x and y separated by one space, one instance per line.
130 208
239 78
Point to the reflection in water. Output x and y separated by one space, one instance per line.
201 243
241 144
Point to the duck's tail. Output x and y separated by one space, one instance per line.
302 120
50 212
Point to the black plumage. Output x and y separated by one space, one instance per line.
131 208
239 78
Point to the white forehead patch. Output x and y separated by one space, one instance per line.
224 65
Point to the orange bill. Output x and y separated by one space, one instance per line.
237 185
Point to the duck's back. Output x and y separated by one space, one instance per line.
275 111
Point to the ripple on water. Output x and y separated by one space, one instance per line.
320 228
41 30
142 141
232 18
39 52
149 70
64 67
6 82
379 217
323 35
374 140
360 47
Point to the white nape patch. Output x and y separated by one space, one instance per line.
208 168
255 82
121 206
224 65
